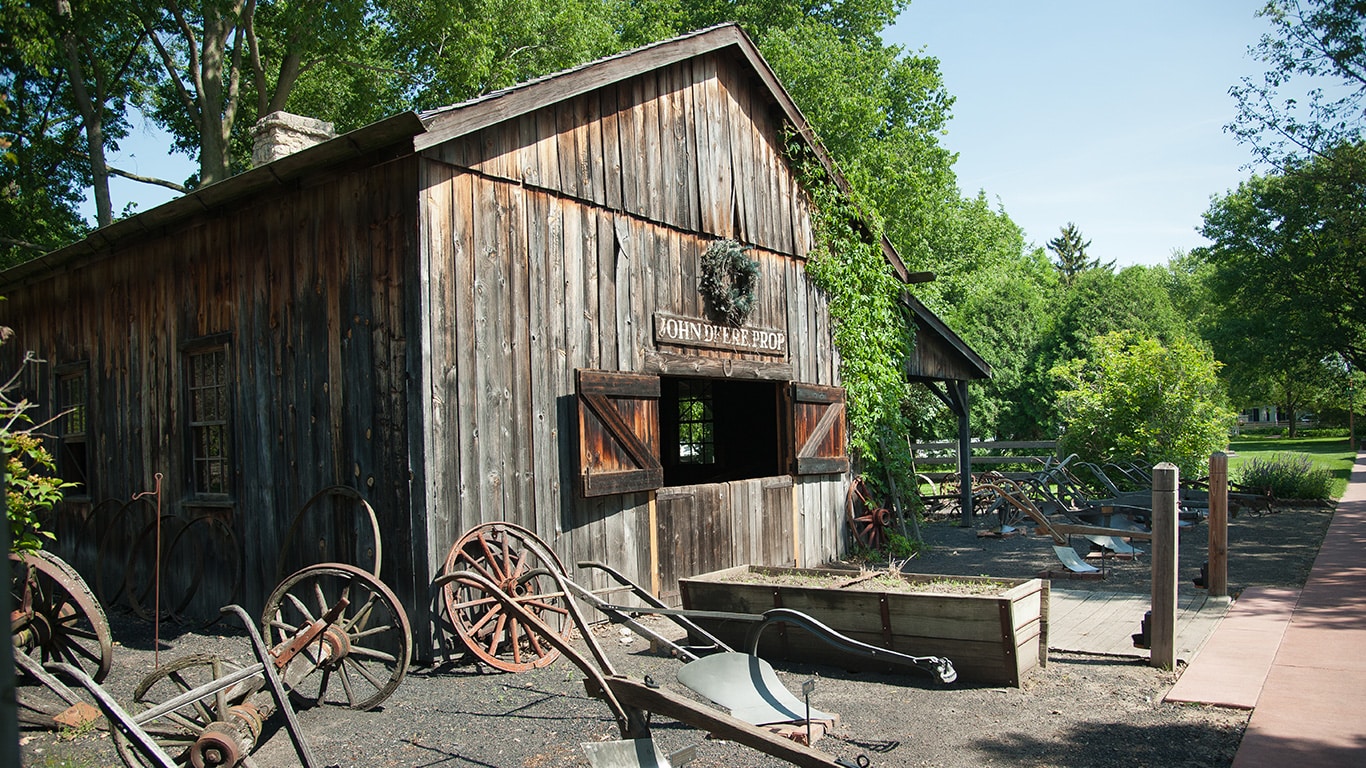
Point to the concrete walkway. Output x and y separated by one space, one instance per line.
1298 660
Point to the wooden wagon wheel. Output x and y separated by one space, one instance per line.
178 730
54 615
520 565
367 645
868 524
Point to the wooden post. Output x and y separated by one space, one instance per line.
1166 481
964 454
1216 579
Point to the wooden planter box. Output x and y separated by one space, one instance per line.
989 638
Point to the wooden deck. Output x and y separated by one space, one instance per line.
1103 622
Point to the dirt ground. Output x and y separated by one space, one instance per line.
1079 711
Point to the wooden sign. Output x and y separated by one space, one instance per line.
695 332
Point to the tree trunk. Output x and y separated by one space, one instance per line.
91 117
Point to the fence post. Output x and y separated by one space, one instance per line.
1216 578
1166 481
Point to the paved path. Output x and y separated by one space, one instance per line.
1298 659
1104 622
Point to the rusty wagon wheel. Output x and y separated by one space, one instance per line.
869 525
298 526
521 565
366 645
54 615
192 723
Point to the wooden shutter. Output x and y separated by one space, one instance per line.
618 432
818 429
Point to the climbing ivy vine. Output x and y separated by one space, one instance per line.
872 336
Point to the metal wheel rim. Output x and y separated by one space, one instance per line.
176 731
377 635
81 630
504 553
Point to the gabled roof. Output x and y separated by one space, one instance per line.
418 132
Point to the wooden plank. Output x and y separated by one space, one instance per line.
607 292
548 148
630 114
590 323
686 146
566 123
591 167
628 351
490 353
708 189
650 148
518 360
610 136
750 185
670 124
720 166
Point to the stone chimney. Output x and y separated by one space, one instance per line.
280 133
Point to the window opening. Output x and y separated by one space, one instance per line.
717 430
209 415
72 460
696 423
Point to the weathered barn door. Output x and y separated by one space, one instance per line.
818 429
618 433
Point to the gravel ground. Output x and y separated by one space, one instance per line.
1079 711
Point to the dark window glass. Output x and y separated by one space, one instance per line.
72 457
209 416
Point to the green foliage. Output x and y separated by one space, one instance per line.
1286 476
1138 399
902 548
1317 51
729 280
1071 252
1285 264
847 262
30 490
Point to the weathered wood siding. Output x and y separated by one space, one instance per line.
311 290
549 241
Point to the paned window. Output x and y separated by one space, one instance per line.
72 458
210 419
696 423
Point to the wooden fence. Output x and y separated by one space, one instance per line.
939 461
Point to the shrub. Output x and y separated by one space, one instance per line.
1285 476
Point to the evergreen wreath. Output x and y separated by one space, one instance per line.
729 280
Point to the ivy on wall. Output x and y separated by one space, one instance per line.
874 339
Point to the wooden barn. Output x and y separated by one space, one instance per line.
486 312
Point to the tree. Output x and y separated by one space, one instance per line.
1071 252
1137 398
40 177
215 52
1287 255
1322 42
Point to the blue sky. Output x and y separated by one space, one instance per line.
1106 114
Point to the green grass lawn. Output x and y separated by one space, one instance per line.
1331 453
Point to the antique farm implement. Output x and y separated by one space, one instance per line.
54 618
511 601
332 633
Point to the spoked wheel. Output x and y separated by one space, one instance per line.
366 645
185 733
521 566
55 616
868 524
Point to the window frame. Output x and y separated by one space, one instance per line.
67 463
202 426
